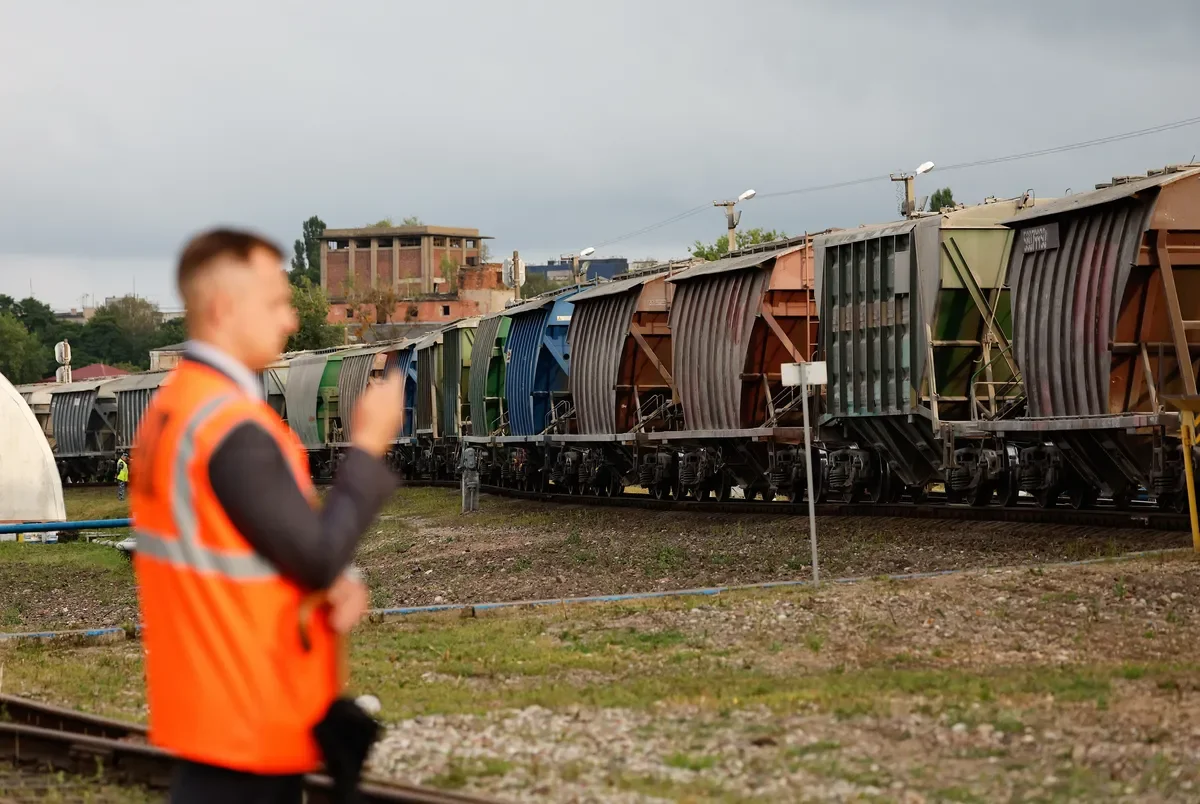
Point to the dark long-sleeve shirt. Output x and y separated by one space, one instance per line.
255 486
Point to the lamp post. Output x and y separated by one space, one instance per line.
575 258
910 199
732 217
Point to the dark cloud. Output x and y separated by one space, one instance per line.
128 125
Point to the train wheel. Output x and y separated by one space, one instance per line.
1048 498
1122 500
918 494
724 490
1009 493
1176 502
981 495
660 491
768 494
1082 497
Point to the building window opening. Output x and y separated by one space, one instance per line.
471 243
472 260
445 309
363 243
384 242
439 241
409 242
456 242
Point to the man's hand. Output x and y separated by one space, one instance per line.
379 415
348 601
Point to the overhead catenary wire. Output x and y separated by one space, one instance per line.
1073 146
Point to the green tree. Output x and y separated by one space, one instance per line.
312 308
744 238
941 199
390 222
37 317
449 272
22 356
306 259
133 315
537 284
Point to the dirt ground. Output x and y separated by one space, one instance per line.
423 551
1057 684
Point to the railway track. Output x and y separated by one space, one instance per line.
54 739
1140 514
1144 515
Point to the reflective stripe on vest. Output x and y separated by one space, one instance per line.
187 551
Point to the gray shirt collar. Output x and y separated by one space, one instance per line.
226 364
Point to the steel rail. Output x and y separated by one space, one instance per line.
77 742
1142 517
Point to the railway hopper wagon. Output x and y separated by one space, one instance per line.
486 382
443 411
83 425
915 331
536 397
312 407
133 394
321 389
1106 331
621 384
733 323
37 397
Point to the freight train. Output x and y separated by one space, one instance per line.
1021 347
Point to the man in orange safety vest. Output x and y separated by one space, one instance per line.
231 542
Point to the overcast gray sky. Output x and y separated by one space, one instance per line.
125 126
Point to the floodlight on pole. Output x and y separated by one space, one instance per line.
909 208
732 217
575 258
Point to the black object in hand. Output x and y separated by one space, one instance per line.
345 736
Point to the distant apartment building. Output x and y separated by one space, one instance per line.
434 272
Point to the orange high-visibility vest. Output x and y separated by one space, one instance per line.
228 681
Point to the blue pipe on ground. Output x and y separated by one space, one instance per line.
81 524
708 591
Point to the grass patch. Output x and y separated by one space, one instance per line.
666 559
94 503
811 749
451 665
38 558
458 774
692 762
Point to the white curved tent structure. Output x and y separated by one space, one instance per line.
30 489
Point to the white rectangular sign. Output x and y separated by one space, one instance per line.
804 373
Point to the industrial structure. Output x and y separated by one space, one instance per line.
422 273
561 270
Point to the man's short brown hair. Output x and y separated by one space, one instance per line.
204 248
